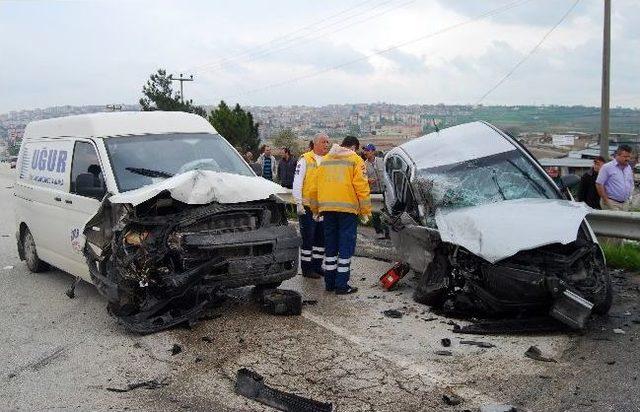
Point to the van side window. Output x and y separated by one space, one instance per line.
86 174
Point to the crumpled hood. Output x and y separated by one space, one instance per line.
496 231
198 187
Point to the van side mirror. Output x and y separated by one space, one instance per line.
569 181
89 185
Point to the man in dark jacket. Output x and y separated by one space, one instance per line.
587 191
286 168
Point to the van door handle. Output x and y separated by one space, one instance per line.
67 201
57 199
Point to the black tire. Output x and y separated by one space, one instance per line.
283 302
34 263
432 285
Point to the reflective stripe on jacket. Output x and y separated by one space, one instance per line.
310 183
342 183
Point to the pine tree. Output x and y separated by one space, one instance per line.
237 126
158 95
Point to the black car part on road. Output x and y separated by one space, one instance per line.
251 385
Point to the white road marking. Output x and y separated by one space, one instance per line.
366 346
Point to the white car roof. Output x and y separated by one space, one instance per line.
456 144
119 124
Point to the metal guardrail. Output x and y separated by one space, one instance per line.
623 225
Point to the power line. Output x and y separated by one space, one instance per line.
489 13
304 39
285 37
526 56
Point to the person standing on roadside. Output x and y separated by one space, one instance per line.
615 181
587 191
267 164
304 193
342 196
375 176
254 166
286 169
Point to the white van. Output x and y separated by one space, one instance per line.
154 208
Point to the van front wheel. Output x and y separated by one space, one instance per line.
34 263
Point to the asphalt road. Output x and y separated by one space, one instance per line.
59 353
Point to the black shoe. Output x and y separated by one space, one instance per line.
312 274
349 290
329 289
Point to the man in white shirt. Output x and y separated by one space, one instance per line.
312 231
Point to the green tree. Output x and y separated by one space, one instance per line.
236 125
14 148
158 95
287 138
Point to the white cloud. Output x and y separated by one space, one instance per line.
103 51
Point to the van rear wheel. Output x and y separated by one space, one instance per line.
34 263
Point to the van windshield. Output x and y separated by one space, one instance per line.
142 160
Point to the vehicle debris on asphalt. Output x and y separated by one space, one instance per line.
392 276
175 349
479 344
513 326
392 313
498 408
150 384
452 399
536 354
282 302
251 385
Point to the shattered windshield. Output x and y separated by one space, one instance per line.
505 176
142 160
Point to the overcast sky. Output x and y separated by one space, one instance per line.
284 52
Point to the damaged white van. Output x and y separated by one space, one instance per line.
156 209
486 229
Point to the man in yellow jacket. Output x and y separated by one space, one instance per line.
342 196
304 192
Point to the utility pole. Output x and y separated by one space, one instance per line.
181 80
606 64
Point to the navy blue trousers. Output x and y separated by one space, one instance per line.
340 243
312 249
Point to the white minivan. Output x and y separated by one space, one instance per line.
156 209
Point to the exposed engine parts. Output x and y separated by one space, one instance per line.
163 262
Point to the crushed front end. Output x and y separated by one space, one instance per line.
163 262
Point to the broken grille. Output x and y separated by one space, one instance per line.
225 223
